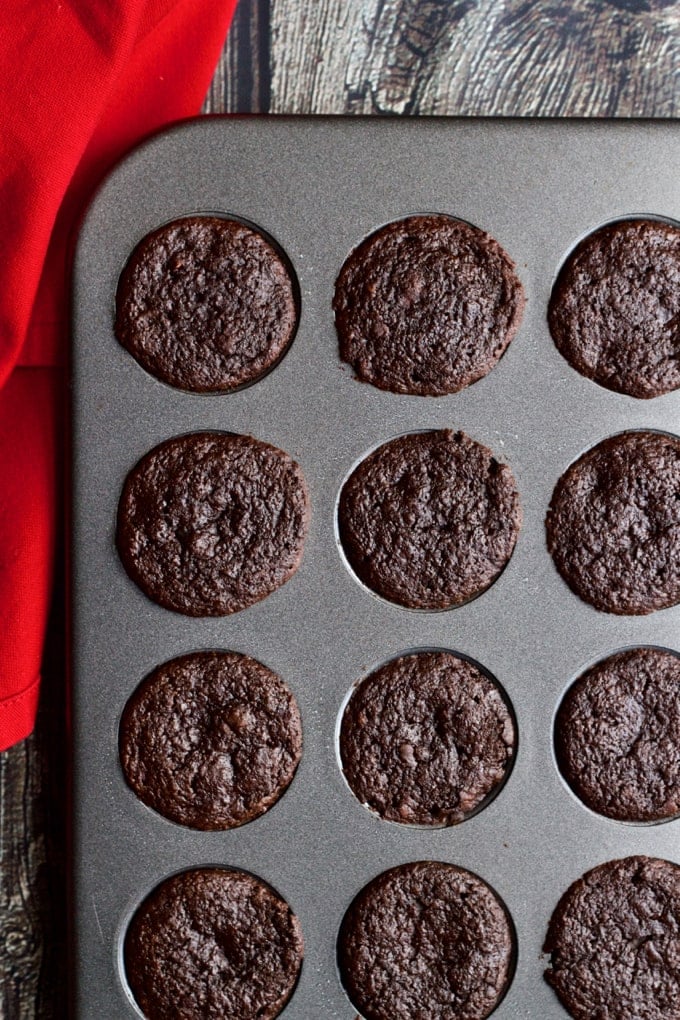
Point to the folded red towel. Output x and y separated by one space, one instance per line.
82 81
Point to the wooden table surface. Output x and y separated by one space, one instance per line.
591 58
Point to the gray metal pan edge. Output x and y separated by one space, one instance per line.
318 186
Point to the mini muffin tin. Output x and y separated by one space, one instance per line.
318 187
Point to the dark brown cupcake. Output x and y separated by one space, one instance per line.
615 309
211 740
430 519
206 304
613 526
617 736
213 943
426 941
613 942
426 739
426 305
210 522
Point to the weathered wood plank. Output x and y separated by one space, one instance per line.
481 57
33 807
241 83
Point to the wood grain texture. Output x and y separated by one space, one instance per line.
241 83
477 57
33 812
485 57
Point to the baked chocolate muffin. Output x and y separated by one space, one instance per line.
613 942
206 304
210 740
426 305
210 522
426 941
430 519
615 309
426 739
213 943
613 526
617 736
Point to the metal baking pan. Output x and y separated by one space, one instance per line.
318 186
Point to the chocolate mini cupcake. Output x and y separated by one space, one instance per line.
210 522
210 740
615 309
613 942
426 305
206 304
430 519
617 736
213 943
613 526
426 739
426 940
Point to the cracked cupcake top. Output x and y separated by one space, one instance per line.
210 740
209 523
213 943
617 736
613 942
615 310
430 519
613 525
426 305
426 941
426 738
205 304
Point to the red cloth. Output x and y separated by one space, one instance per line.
81 81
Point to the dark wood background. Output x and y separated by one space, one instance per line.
592 58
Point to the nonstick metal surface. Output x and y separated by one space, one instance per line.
318 187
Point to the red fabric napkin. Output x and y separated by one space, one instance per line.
81 81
